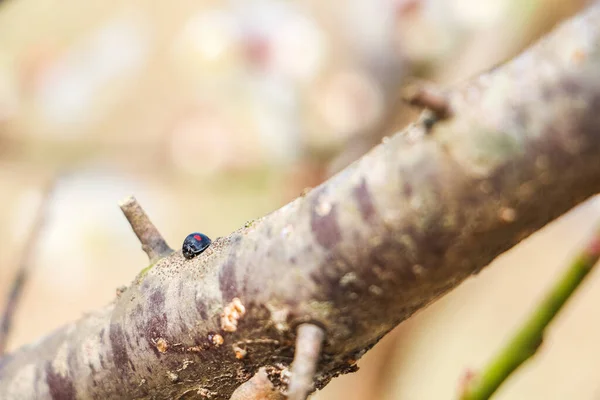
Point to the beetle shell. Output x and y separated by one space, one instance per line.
194 244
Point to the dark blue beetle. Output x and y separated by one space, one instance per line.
194 244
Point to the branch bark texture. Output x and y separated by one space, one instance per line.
357 255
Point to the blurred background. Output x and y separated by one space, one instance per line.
216 112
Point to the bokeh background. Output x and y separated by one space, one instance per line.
216 112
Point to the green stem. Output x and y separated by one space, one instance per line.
530 336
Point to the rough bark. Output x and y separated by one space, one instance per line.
357 255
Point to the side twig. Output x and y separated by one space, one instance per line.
531 335
153 244
428 97
25 264
306 357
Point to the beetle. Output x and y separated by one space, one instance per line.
194 244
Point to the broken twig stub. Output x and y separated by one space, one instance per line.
153 244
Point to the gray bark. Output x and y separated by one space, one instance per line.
357 255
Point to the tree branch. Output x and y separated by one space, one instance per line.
25 264
428 97
152 241
527 340
306 357
357 255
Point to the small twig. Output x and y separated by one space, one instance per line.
306 357
259 387
430 98
152 241
25 264
530 336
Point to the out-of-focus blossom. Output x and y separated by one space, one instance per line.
67 91
367 30
208 45
282 40
349 102
262 53
276 113
475 14
209 140
427 30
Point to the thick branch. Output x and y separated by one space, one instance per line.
358 254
